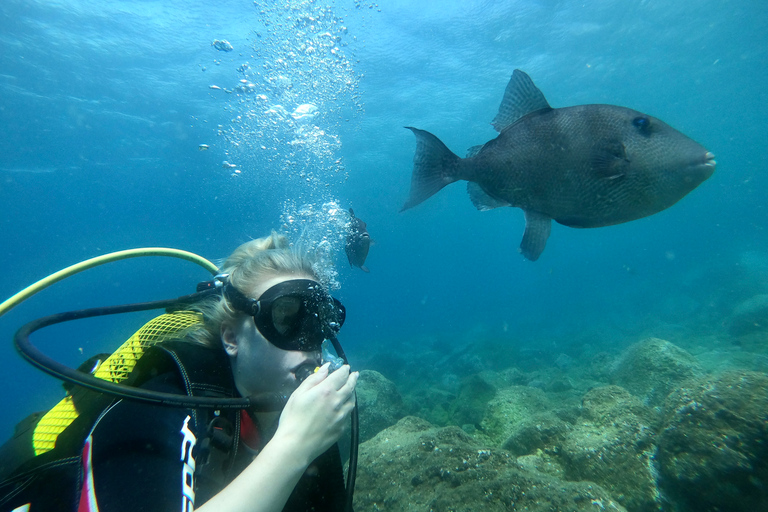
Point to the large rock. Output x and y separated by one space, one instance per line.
431 403
469 407
713 451
543 431
380 404
613 445
652 368
509 408
414 466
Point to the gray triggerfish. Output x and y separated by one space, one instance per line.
584 166
358 242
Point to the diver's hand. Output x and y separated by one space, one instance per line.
312 420
317 413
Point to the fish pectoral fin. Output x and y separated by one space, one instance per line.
537 228
521 97
609 160
481 199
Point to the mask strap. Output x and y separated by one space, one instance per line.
239 301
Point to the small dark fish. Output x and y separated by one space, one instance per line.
584 166
358 242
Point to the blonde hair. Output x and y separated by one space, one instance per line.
247 266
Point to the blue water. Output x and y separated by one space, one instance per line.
104 107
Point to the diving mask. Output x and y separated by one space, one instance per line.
293 315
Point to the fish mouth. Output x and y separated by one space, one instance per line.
709 163
704 167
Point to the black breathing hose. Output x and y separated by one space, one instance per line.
354 435
52 367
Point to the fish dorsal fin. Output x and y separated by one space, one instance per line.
520 98
481 199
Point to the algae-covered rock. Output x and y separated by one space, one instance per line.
713 451
469 407
607 404
539 432
543 463
379 402
430 403
414 466
597 367
652 368
509 408
613 445
512 376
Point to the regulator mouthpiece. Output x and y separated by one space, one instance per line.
305 370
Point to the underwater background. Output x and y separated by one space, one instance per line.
201 125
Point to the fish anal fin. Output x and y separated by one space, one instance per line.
521 97
537 229
474 150
481 199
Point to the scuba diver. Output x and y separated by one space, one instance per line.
261 335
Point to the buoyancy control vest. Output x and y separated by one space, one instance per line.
50 479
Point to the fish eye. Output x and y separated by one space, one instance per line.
642 123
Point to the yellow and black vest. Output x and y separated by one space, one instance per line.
43 459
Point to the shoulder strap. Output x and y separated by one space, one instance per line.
204 371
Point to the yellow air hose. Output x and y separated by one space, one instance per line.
101 260
121 362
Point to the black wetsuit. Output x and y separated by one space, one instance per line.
138 458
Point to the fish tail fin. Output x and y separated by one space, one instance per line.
434 166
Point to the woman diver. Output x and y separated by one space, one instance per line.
261 336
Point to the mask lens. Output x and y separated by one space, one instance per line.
285 314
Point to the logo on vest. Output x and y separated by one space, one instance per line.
188 471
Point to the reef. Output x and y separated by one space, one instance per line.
648 428
379 402
713 450
417 466
652 368
613 443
